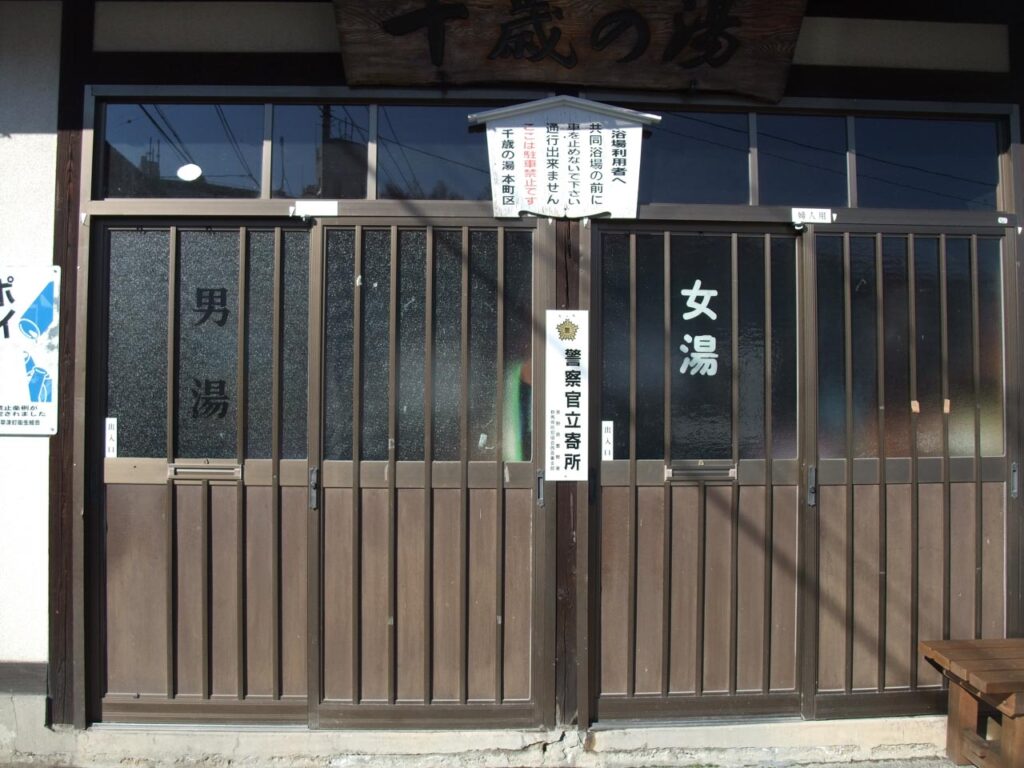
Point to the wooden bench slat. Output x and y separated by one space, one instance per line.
1001 642
960 656
962 667
997 681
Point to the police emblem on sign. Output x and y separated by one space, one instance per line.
567 330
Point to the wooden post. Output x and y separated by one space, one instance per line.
567 266
963 713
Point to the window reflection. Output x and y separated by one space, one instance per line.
429 153
697 157
907 163
801 160
990 348
320 151
150 149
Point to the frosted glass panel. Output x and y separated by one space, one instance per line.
207 357
338 340
376 288
137 341
447 321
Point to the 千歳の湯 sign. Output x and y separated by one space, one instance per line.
738 46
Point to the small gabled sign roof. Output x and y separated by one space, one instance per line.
642 118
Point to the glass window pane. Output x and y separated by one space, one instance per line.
517 425
615 339
207 356
751 346
338 316
294 342
913 163
929 346
697 157
650 361
801 160
863 314
149 149
896 312
259 342
784 348
319 150
376 307
701 362
412 254
960 341
429 153
831 348
483 343
990 329
137 342
447 344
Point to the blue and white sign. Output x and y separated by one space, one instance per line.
29 322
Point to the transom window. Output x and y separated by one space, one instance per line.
369 151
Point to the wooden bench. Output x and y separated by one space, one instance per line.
986 679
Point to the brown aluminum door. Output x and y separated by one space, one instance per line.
699 501
910 359
432 578
199 541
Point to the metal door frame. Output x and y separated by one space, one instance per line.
811 704
884 702
694 705
540 710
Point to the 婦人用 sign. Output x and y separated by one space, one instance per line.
738 46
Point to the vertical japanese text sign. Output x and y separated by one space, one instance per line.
566 394
29 321
564 157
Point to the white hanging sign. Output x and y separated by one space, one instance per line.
607 440
29 321
813 216
110 439
564 158
567 373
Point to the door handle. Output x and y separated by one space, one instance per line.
812 486
314 488
540 488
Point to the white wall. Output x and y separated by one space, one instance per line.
29 72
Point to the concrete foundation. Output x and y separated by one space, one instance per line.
912 741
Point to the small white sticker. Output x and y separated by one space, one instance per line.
111 438
607 440
305 208
812 215
1003 220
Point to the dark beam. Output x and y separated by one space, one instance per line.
976 11
67 668
567 296
903 84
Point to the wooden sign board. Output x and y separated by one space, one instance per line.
738 46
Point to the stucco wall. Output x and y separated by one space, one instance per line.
29 72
